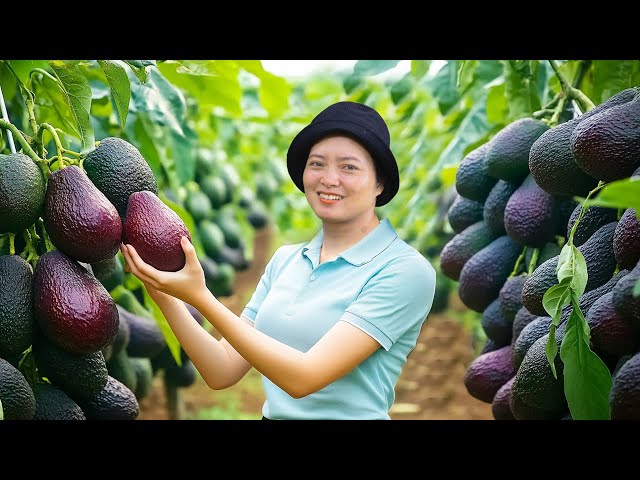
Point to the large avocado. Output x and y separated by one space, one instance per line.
79 219
155 231
118 169
71 306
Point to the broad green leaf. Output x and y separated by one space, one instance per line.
401 88
587 380
22 69
612 76
350 83
52 107
444 88
139 70
77 94
147 145
555 299
466 72
419 68
274 95
373 67
162 101
183 156
448 175
141 63
169 336
572 267
209 83
521 94
497 105
619 194
120 87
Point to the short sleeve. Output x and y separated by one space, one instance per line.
262 289
395 299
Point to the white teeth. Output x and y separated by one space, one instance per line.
330 197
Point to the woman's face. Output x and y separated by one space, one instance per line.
340 180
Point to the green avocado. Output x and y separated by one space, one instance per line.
118 169
22 189
16 305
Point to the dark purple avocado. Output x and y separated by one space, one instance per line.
72 308
79 219
155 230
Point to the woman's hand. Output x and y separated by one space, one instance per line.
187 284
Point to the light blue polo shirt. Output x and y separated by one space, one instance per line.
381 285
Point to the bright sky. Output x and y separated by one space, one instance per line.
302 68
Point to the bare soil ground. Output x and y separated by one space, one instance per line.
430 386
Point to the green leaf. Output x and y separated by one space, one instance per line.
210 83
497 105
77 94
401 88
521 95
419 68
22 69
163 102
444 88
139 68
147 145
141 63
619 194
612 76
274 94
183 155
572 267
587 381
169 336
373 67
351 83
120 87
555 299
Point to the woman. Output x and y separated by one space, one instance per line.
332 320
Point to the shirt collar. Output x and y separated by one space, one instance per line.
365 250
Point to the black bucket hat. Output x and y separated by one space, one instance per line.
358 121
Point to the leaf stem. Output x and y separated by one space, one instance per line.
59 148
47 241
599 187
518 262
18 135
12 244
534 260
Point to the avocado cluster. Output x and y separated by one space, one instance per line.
64 340
516 196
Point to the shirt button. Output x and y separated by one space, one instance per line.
312 278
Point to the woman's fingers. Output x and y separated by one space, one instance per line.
189 251
138 267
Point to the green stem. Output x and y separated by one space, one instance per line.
47 241
583 68
599 187
48 75
71 152
29 101
518 262
557 112
17 134
584 102
534 260
12 244
59 148
30 248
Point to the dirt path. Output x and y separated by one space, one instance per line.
430 386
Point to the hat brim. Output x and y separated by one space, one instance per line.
384 159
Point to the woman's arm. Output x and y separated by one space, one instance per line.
297 373
219 364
